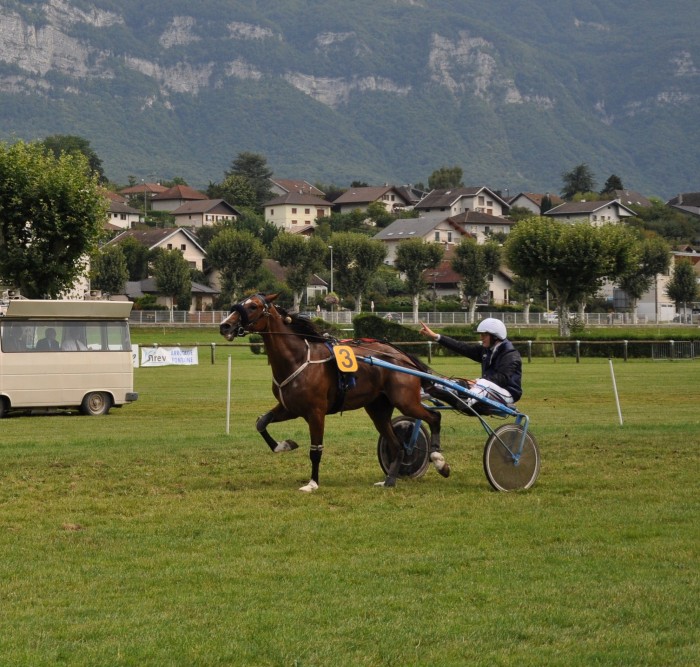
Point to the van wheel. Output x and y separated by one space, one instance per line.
3 406
96 403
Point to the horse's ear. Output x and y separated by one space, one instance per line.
271 297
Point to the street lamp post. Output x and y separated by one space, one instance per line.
143 181
330 247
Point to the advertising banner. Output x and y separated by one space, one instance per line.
169 356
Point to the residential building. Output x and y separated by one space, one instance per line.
204 212
172 198
203 296
432 230
631 198
360 198
453 201
284 186
596 212
168 239
296 212
482 225
533 201
688 202
121 215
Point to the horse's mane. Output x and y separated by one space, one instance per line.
302 326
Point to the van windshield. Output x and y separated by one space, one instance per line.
64 336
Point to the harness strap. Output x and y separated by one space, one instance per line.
281 385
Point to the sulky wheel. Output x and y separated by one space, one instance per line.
414 464
504 470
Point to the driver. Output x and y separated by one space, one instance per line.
501 365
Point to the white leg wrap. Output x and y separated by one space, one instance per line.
308 488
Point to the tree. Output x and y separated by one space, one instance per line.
446 177
474 263
546 204
253 167
73 145
413 257
356 260
301 257
238 256
683 286
235 189
108 270
51 215
573 259
669 223
137 257
579 179
613 183
377 213
524 288
256 224
172 275
655 258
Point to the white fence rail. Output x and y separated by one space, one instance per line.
344 317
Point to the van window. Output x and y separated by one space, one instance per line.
58 335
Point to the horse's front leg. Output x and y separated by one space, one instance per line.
278 414
317 422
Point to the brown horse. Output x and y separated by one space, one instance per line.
307 383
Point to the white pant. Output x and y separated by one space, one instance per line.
490 390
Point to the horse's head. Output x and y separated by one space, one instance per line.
247 316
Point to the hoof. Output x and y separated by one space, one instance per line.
308 488
285 446
440 464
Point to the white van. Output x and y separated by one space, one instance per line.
65 354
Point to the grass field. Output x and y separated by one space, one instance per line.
150 537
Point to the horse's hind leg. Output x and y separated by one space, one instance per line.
277 414
380 413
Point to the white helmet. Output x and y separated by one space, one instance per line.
494 327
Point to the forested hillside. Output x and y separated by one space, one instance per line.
381 91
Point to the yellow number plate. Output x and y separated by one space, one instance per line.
345 358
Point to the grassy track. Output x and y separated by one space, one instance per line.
150 537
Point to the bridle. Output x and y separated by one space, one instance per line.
245 321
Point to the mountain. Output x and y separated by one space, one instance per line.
382 91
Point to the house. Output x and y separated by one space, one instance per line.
656 305
294 211
411 194
316 287
428 229
631 198
284 186
595 212
174 197
204 212
453 201
167 239
203 297
150 189
121 216
688 202
360 198
445 281
482 225
532 201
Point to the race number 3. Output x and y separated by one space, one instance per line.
345 358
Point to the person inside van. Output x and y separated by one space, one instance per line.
48 342
72 340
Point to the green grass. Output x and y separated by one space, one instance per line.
150 537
